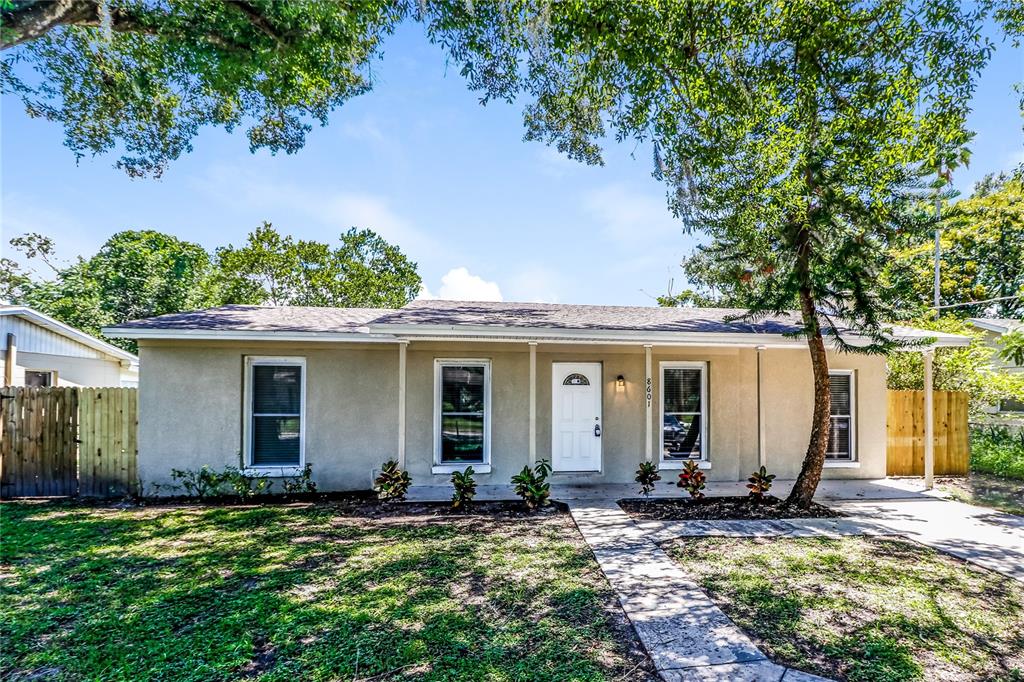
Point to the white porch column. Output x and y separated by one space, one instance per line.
402 347
761 443
929 422
649 398
533 403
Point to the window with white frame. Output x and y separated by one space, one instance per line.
275 411
842 430
462 411
39 378
683 411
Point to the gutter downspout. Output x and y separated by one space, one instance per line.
402 348
762 454
533 403
929 422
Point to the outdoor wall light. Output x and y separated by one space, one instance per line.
620 381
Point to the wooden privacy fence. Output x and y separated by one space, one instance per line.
68 441
905 431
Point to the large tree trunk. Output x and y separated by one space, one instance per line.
814 460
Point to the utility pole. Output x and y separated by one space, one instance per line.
938 231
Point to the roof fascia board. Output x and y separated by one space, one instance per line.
444 332
227 335
58 327
988 325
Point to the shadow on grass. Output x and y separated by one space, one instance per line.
865 608
297 593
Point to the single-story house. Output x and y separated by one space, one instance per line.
993 329
39 350
440 385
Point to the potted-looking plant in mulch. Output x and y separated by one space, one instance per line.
647 475
465 489
393 483
532 485
692 480
760 482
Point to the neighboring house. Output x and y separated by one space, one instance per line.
440 385
38 350
993 329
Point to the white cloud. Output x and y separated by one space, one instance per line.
630 217
458 284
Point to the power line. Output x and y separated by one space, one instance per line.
987 300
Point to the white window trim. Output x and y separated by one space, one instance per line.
440 467
704 461
854 461
51 372
272 470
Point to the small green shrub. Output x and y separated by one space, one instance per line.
647 475
393 483
301 484
998 451
692 479
206 483
198 483
760 483
465 488
244 485
532 485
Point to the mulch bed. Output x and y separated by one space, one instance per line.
720 509
357 503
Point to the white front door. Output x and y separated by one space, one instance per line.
576 416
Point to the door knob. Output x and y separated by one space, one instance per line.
597 430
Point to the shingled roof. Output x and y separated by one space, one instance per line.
581 317
469 318
255 318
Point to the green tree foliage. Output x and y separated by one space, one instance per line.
1012 347
966 368
145 273
142 78
136 273
982 258
793 134
363 271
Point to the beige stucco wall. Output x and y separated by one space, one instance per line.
71 371
191 408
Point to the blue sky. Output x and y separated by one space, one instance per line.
484 214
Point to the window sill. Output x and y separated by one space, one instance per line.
679 464
452 468
273 471
842 465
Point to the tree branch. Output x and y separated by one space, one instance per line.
30 20
257 19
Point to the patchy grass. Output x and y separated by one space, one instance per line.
1004 494
303 592
864 609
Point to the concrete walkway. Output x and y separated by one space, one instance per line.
979 535
686 635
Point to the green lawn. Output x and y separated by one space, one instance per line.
303 592
863 609
1004 494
